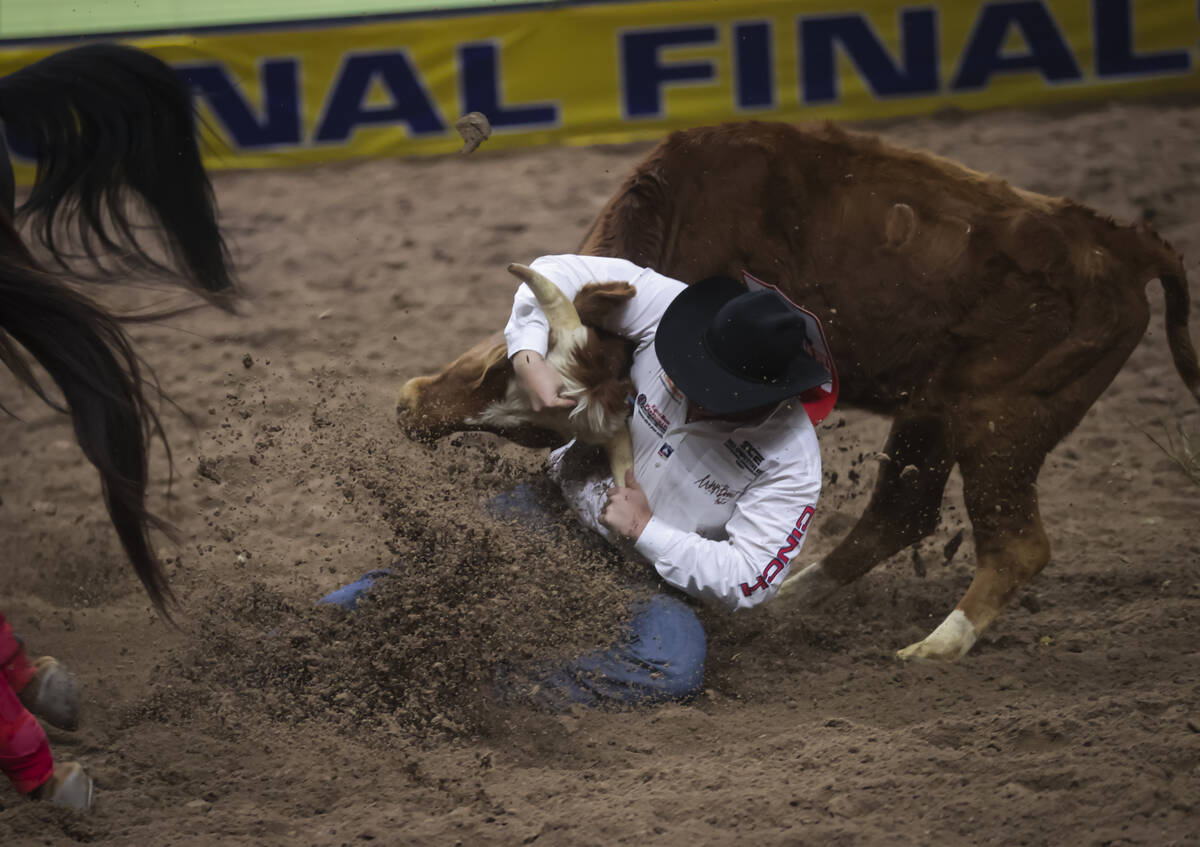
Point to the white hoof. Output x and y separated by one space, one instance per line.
810 586
953 638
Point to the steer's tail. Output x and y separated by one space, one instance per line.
86 353
108 123
1175 293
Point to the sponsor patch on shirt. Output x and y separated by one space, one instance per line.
746 455
666 450
651 414
675 393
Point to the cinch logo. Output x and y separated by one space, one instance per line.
652 416
777 564
666 450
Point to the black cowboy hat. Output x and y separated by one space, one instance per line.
731 350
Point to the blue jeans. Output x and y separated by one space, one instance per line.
347 596
659 657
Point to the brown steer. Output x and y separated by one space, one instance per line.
983 318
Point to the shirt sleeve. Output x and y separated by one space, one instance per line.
765 534
637 320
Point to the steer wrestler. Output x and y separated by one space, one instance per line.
726 473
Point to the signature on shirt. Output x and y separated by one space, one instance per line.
721 492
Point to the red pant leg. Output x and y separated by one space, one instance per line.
14 666
24 751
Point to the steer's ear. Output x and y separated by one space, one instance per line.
597 300
612 396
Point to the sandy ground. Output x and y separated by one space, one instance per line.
260 720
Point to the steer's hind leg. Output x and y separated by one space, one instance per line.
904 508
1010 545
1000 444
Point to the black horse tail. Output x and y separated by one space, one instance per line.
87 354
106 121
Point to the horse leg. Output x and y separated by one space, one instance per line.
904 508
24 751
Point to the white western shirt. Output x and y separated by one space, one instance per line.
732 502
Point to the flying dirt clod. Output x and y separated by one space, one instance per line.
475 129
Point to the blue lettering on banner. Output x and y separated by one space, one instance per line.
274 117
1112 27
346 109
918 73
1047 52
279 83
643 73
754 79
480 84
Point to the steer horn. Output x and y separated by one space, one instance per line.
560 312
620 454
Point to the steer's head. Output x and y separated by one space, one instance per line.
478 390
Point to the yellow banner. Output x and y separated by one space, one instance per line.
618 71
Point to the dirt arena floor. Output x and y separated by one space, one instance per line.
263 720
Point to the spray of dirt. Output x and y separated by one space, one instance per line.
468 594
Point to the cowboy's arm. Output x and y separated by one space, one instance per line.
636 319
765 534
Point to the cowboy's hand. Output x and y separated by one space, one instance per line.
626 511
540 382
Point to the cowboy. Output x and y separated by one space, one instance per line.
46 689
727 469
